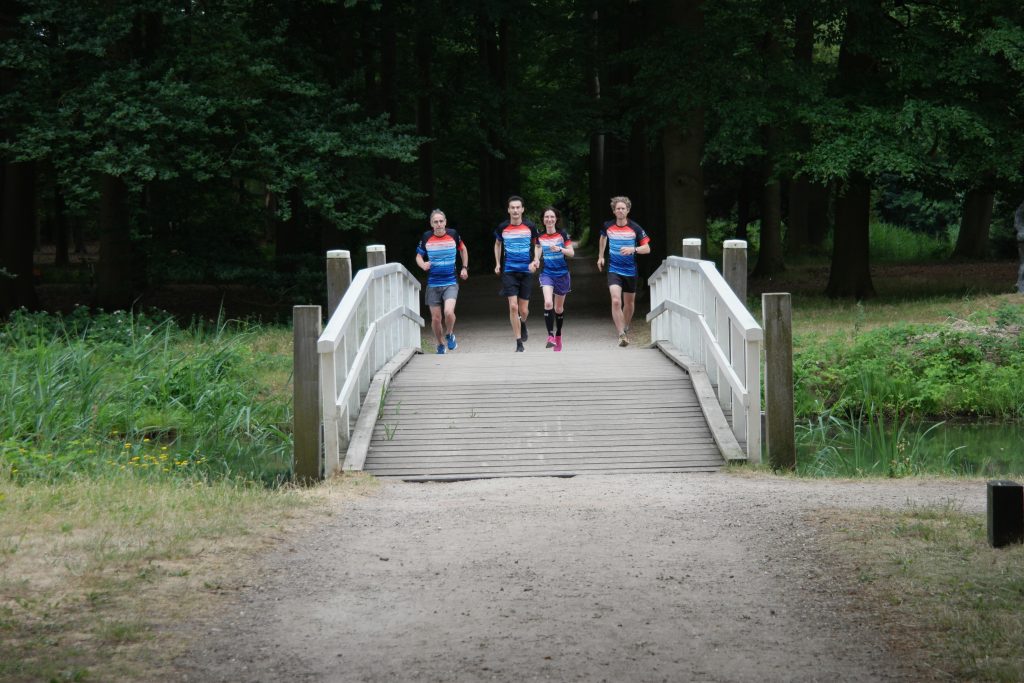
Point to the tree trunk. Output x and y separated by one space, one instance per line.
683 145
818 222
684 182
17 237
850 275
114 269
769 257
798 216
60 227
424 114
972 241
596 162
743 199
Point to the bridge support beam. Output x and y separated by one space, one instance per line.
339 277
306 395
780 440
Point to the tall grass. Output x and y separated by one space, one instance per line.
96 394
871 444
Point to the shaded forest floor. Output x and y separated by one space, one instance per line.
61 289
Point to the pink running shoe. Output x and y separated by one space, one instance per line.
558 343
551 342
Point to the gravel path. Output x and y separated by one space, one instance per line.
640 578
704 577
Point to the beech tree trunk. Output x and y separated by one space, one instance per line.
769 258
683 146
597 194
798 216
424 114
975 223
17 237
114 269
850 275
684 182
818 222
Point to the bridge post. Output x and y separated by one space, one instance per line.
306 394
375 255
780 440
734 267
691 247
339 277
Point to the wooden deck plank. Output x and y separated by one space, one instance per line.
483 415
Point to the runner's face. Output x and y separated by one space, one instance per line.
550 221
515 211
438 223
620 210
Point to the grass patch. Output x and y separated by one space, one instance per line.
930 577
95 394
95 573
960 367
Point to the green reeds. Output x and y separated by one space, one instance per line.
117 392
871 443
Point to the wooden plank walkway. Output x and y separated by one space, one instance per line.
475 415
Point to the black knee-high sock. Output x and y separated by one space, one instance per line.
549 321
559 318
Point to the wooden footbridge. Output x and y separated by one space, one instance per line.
690 402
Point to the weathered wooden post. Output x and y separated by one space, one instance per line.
306 394
375 255
734 267
778 380
339 277
691 247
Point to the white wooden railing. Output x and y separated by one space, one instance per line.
375 320
694 309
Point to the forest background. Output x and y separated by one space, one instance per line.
232 142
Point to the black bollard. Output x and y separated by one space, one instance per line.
1005 513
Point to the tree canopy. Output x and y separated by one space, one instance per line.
242 130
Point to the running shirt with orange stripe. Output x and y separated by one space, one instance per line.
628 235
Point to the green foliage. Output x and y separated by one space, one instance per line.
971 367
113 392
896 243
870 444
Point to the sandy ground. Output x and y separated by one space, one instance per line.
696 577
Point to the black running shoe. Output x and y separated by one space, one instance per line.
519 346
522 328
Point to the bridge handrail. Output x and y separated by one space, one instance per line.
693 307
374 321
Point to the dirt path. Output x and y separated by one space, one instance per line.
640 578
601 578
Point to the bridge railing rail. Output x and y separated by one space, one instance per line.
377 318
693 308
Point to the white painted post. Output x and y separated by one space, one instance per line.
339 277
777 310
691 247
734 267
375 255
306 394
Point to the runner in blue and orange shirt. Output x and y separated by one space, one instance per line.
624 240
438 253
514 241
554 245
